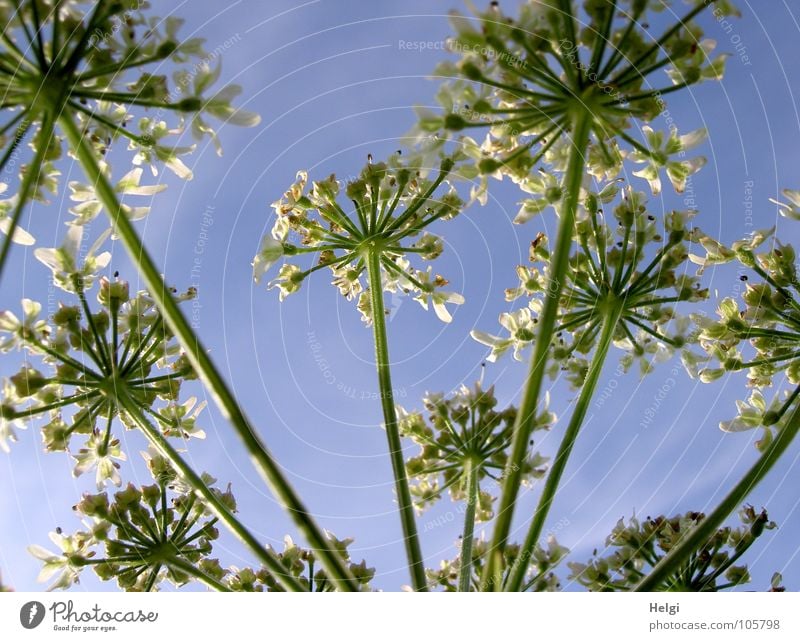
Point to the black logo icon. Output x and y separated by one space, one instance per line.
31 614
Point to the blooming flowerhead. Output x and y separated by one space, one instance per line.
383 213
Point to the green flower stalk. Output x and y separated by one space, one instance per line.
629 265
391 206
639 545
551 92
621 288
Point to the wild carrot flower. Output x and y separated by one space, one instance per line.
300 563
65 65
464 433
142 536
638 545
391 206
626 264
539 567
760 337
527 79
88 359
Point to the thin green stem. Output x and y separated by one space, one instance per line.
102 347
202 364
28 182
31 40
76 55
405 505
37 23
184 566
105 70
142 350
670 563
526 415
69 400
11 123
127 98
625 100
620 267
633 67
151 580
465 570
64 358
636 144
17 140
654 333
783 291
641 279
516 577
114 127
391 225
618 54
601 37
16 52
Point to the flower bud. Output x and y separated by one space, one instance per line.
454 122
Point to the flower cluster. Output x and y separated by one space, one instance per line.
626 268
300 564
82 363
392 203
527 79
96 64
638 546
147 535
540 566
465 433
760 338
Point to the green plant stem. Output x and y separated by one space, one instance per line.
264 555
516 576
669 564
187 568
682 23
197 355
465 570
530 399
28 182
406 508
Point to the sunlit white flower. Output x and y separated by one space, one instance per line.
69 272
89 205
182 418
101 457
218 105
21 237
73 548
660 156
154 153
437 298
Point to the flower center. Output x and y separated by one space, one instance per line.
47 93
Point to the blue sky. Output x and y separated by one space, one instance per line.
332 83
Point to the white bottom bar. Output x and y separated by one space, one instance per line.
388 616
